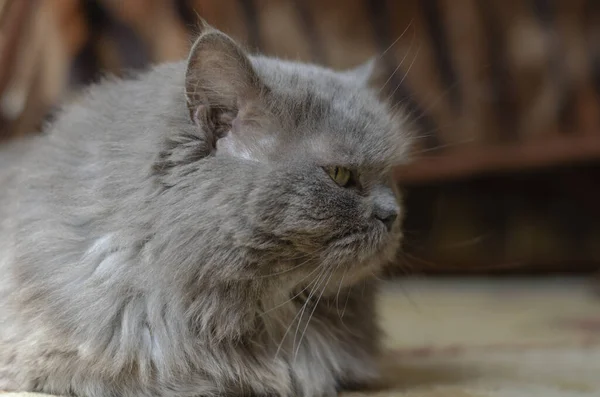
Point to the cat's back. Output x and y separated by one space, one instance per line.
120 115
89 166
110 131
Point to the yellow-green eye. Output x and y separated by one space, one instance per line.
340 175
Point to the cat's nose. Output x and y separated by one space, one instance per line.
385 206
387 217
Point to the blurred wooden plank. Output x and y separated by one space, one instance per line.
3 8
472 161
14 22
156 22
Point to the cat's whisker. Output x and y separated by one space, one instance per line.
337 296
306 303
407 255
337 303
405 74
313 312
295 296
307 256
433 104
299 282
346 303
409 298
399 65
310 257
295 317
435 266
447 145
399 37
423 136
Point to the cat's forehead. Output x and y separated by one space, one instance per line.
353 152
324 115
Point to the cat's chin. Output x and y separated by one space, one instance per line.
355 272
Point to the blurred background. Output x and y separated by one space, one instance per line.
505 96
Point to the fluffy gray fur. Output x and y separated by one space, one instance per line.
175 234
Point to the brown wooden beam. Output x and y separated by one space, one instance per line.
473 161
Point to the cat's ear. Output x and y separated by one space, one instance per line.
369 74
220 79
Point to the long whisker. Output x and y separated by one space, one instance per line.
405 74
305 305
295 296
313 312
310 257
435 102
399 37
318 277
307 256
346 303
399 65
337 296
452 144
337 306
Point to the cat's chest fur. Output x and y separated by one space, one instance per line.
308 347
302 347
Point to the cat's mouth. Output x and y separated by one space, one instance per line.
348 260
369 249
366 242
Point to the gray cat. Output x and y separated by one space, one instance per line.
208 228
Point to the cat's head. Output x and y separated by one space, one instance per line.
325 146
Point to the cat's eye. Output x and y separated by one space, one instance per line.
341 175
